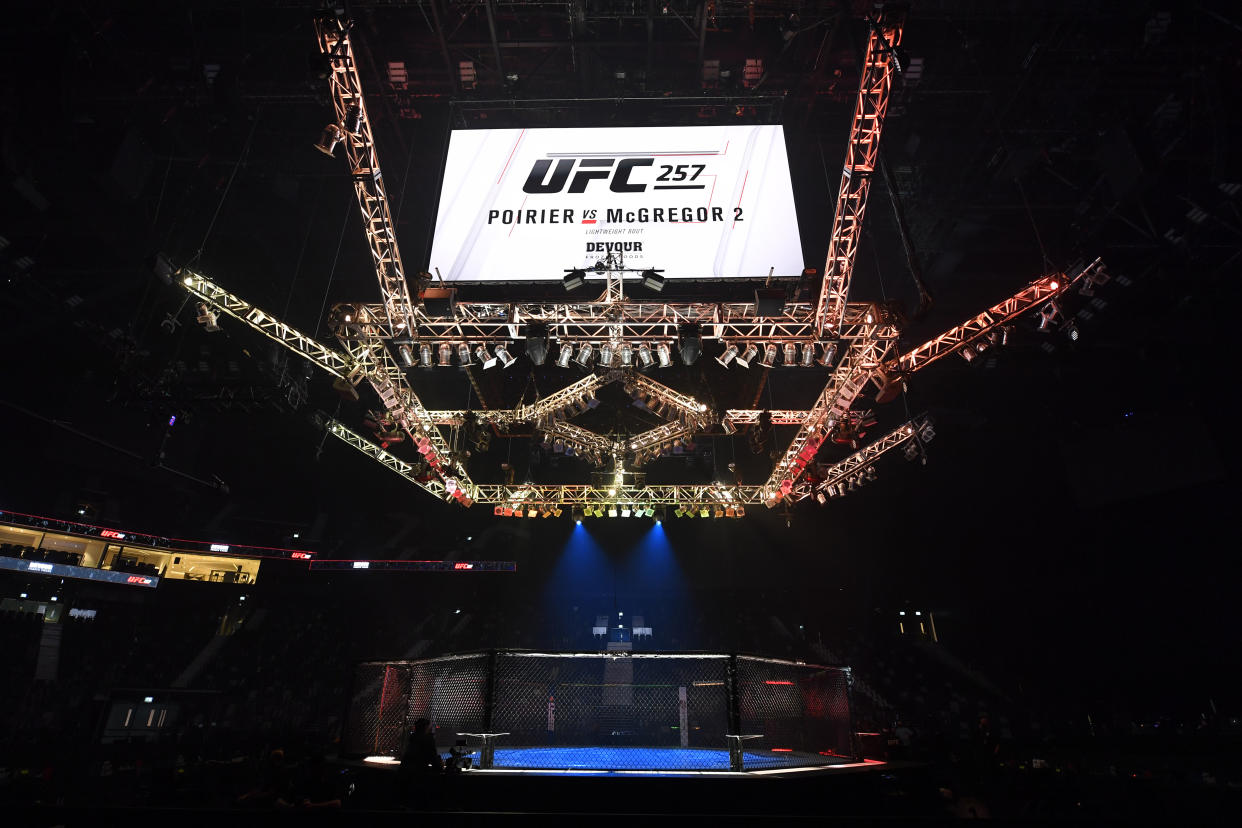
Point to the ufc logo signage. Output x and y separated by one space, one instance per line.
546 177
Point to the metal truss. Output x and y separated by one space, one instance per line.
974 330
595 322
337 364
861 155
428 482
863 458
354 129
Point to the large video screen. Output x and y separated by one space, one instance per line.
704 202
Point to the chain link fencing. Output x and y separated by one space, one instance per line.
608 711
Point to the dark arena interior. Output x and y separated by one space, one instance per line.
864 456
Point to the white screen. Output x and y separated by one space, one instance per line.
700 202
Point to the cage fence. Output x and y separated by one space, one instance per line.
607 711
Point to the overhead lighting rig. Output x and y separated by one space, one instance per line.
617 338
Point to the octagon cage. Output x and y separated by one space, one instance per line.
642 712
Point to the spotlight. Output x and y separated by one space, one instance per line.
660 513
1071 330
689 342
463 354
791 353
329 139
424 354
1048 314
969 353
407 356
537 342
445 352
664 355
502 354
808 354
208 318
484 357
652 280
627 355
578 515
605 355
769 356
584 355
574 279
749 354
829 354
644 355
704 512
625 510
612 510
728 426
679 511
567 352
728 356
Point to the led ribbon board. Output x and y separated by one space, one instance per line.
701 202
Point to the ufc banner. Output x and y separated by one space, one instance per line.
699 202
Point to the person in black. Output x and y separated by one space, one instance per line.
420 754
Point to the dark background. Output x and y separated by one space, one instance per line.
1072 527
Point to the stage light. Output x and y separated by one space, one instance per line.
1071 330
829 354
605 355
808 354
627 355
1000 336
652 280
328 140
578 515
749 354
612 510
660 513
463 354
689 342
791 353
574 279
407 356
208 318
424 354
703 512
719 512
664 355
679 512
1048 315
537 342
769 356
567 352
625 511
445 355
728 426
502 354
644 355
484 357
353 120
728 356
969 353
584 355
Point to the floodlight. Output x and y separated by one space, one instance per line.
829 354
329 139
664 355
644 355
769 356
502 354
424 354
605 355
537 342
791 353
463 354
652 280
689 342
407 356
704 512
612 510
584 355
627 355
484 357
567 352
353 120
728 356
445 355
574 279
808 354
747 355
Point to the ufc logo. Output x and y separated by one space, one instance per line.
539 182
